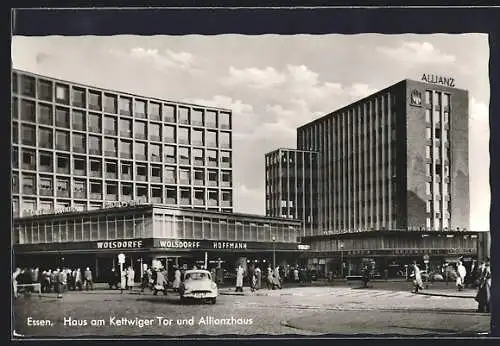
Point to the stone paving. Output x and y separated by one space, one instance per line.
301 311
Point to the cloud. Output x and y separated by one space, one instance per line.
162 60
253 77
417 52
360 90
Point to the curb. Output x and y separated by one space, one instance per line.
444 295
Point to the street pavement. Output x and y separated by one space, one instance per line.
307 311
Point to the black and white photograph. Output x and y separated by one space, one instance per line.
210 185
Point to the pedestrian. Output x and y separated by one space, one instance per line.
60 281
177 279
46 275
16 273
130 278
239 278
78 280
269 281
87 276
251 277
462 272
144 280
483 296
160 282
258 277
123 280
277 278
417 281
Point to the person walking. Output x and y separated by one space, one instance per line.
296 275
462 272
239 279
87 276
269 279
160 282
277 282
483 296
258 277
177 279
78 280
417 281
130 278
59 284
14 281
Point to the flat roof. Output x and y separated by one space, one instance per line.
290 149
151 208
118 91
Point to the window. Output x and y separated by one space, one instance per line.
45 186
126 171
15 158
169 134
79 166
156 194
211 119
226 178
227 198
142 172
211 139
140 130
79 188
125 149
198 157
95 145
110 125
126 128
28 184
62 117
197 138
437 100
125 106
28 135
15 133
45 90
155 132
78 120
446 117
428 133
213 197
110 147
62 163
183 135
62 187
95 190
446 100
140 109
170 175
156 174
127 191
15 183
225 140
62 92
14 79
446 171
79 97
212 178
199 177
170 156
95 123
154 111
155 152
185 196
95 100
109 103
428 97
62 140
199 196
428 188
225 159
428 207
171 195
79 143
184 157
224 120
428 170
46 162
27 110
437 153
183 115
140 151
437 117
428 115
15 108
184 176
28 86
212 159
169 113
197 117
438 133
427 152
111 190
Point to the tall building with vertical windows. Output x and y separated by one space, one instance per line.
291 189
392 175
82 147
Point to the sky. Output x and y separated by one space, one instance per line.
274 84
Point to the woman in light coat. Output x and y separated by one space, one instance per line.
239 279
123 280
417 281
130 277
177 279
160 283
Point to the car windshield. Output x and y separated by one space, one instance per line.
196 276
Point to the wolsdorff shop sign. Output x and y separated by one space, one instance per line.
120 244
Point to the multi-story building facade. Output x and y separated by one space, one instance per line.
393 177
291 188
81 147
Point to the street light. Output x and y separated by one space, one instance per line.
342 260
274 251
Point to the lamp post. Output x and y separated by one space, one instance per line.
274 251
342 260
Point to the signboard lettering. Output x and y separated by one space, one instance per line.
179 244
229 245
120 244
303 246
66 210
435 79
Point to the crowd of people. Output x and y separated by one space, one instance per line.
52 280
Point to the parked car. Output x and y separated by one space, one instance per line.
198 285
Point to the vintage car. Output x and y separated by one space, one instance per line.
198 284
